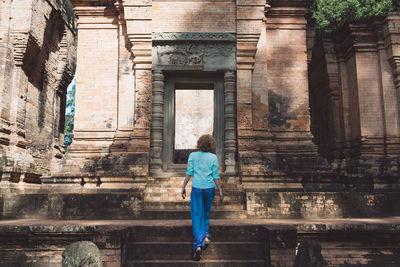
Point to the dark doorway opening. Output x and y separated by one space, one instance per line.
193 106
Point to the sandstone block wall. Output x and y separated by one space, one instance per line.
37 62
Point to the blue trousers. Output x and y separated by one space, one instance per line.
200 207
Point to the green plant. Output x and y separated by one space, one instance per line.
69 117
330 15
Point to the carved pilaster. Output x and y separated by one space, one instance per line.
248 17
17 161
156 138
138 22
334 85
19 90
392 42
20 39
230 123
122 137
137 14
310 42
20 42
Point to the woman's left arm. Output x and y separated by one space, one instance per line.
189 174
183 192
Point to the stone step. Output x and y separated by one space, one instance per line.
190 263
183 250
180 183
171 233
227 180
176 214
185 205
174 194
166 188
189 186
171 245
176 197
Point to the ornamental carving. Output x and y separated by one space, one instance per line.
182 54
194 36
207 55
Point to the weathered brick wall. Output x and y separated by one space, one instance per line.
365 244
276 146
313 205
38 52
113 110
361 97
194 16
96 82
49 253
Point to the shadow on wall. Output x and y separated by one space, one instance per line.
279 109
320 109
37 58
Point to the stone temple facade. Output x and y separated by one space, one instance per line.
307 124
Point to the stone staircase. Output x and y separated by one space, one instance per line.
172 246
162 200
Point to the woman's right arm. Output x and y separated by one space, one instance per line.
215 176
221 196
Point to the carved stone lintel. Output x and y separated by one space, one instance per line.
202 50
203 56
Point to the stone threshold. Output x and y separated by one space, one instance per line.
389 223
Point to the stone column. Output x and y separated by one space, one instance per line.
156 137
230 123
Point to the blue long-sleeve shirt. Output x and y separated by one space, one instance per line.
203 166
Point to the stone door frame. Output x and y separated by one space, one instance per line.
161 114
198 53
190 80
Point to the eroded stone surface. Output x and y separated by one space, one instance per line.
81 253
37 59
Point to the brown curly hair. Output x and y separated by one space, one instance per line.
206 143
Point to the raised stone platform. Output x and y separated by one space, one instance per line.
162 200
345 242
